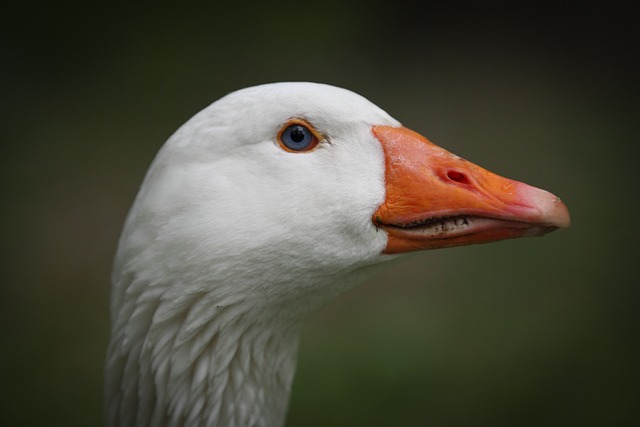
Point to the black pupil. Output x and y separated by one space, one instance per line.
297 134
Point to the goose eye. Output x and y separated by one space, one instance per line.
297 136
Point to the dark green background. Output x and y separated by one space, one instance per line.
533 332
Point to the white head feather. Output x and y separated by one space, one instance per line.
230 244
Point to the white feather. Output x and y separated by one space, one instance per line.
231 243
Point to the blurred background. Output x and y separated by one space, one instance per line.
532 332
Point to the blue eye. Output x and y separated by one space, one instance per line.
297 137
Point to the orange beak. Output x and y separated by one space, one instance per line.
435 199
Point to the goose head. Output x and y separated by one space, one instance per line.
257 211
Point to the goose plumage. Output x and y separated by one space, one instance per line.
241 230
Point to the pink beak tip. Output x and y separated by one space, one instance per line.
551 209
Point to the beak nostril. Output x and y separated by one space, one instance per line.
458 177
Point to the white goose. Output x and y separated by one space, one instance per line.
260 209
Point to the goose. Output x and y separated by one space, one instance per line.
259 210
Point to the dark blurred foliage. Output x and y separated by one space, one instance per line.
534 332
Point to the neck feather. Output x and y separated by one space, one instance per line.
197 360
